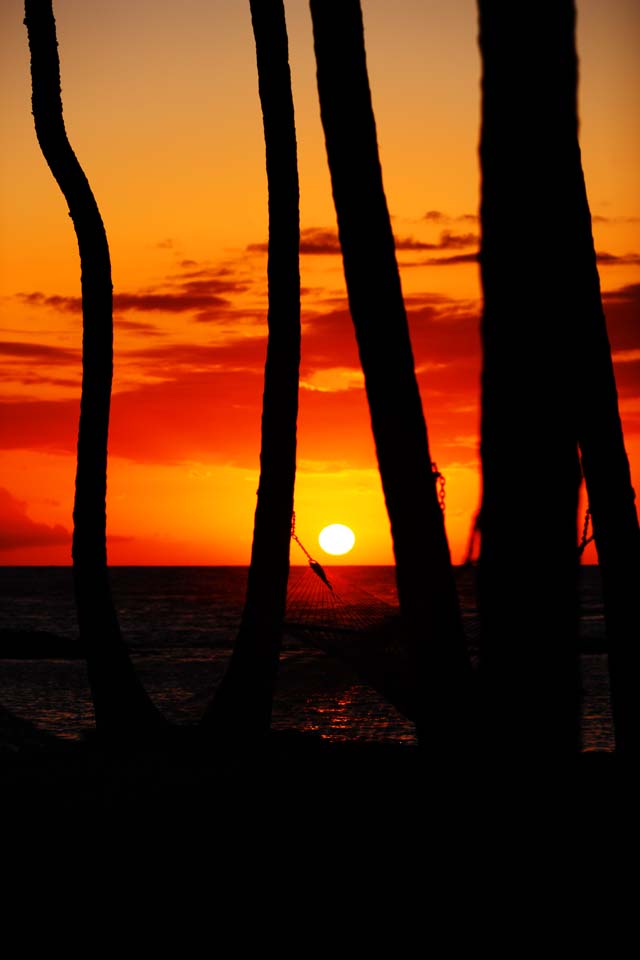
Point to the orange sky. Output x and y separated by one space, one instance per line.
161 106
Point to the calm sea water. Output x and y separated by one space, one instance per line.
180 623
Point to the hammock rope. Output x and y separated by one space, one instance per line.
314 564
586 539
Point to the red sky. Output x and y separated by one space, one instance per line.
161 105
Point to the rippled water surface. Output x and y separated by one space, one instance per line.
180 623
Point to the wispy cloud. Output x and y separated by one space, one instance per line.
38 352
606 259
450 261
196 288
38 365
324 241
630 293
598 218
437 216
447 241
314 241
137 326
182 301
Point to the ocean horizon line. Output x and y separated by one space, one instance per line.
208 566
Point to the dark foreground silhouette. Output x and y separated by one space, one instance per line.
548 390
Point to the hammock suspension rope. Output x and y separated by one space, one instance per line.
314 564
317 567
586 539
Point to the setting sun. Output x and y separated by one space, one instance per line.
337 539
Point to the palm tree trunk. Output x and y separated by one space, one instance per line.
426 587
242 706
605 463
532 230
122 708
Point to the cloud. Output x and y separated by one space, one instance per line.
324 241
189 291
629 293
447 241
333 379
137 326
437 216
314 241
410 243
456 241
18 530
180 302
463 240
607 259
443 330
38 352
317 241
38 364
203 402
170 361
626 356
449 261
38 299
598 218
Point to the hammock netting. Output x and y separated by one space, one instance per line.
358 628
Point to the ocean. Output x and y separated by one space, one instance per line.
180 623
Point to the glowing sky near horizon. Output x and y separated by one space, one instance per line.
162 108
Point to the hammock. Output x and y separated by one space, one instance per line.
327 611
363 631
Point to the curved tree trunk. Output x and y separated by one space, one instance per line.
426 586
535 225
242 706
122 708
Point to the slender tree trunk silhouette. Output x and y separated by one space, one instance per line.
122 708
604 459
547 380
426 587
242 705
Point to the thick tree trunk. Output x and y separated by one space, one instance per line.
242 706
121 706
426 586
532 230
